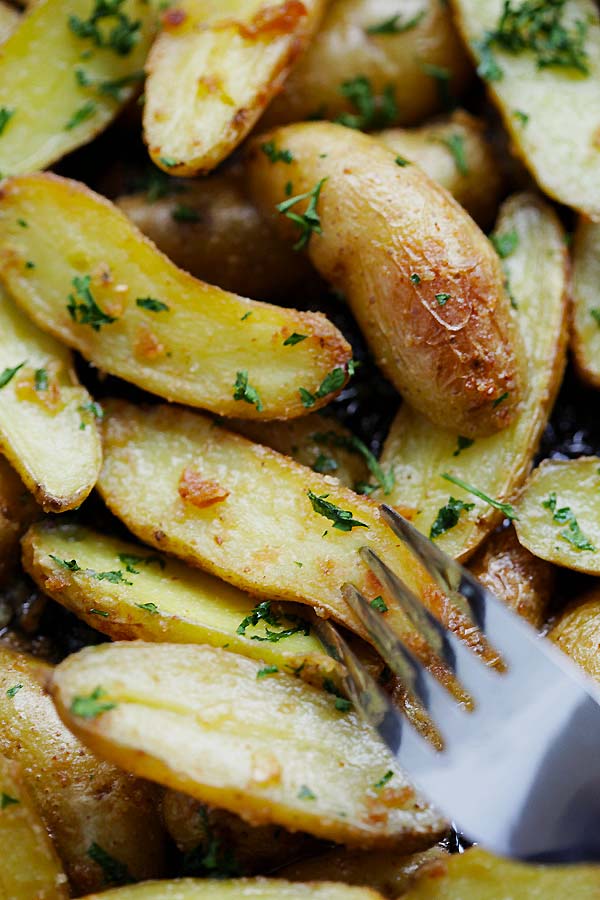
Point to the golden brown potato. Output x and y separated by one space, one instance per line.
424 283
577 631
375 63
585 305
132 313
236 889
92 809
477 875
212 230
517 577
17 511
212 71
270 748
216 837
455 153
30 868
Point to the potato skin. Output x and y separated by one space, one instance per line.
448 342
577 632
343 50
80 798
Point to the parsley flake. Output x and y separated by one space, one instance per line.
294 339
462 443
400 161
70 564
565 516
91 706
115 872
500 399
383 780
504 508
505 244
151 304
308 222
8 374
385 480
275 155
266 671
40 380
244 391
416 279
13 690
83 308
378 604
448 517
305 793
443 298
263 612
456 145
595 314
333 381
121 38
6 114
342 518
7 800
80 115
394 25
371 111
98 612
148 607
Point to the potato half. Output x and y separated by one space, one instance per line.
403 59
130 593
48 427
585 308
94 811
419 453
90 70
212 71
559 513
550 111
30 867
272 749
236 889
422 280
577 631
101 287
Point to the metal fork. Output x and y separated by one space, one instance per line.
519 771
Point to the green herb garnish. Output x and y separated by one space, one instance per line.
448 517
40 380
308 222
82 307
379 604
13 690
151 304
91 706
293 339
266 671
6 114
7 800
123 35
443 298
305 793
80 115
505 244
371 111
462 443
383 780
8 374
456 145
565 516
342 519
504 508
115 872
275 155
244 391
395 25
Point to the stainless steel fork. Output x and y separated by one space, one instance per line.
520 770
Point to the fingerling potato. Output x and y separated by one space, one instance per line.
102 288
577 631
270 749
422 280
236 889
17 511
585 302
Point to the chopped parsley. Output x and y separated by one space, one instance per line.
210 857
383 780
370 111
400 161
385 480
183 213
29 264
7 800
151 304
22 223
456 145
378 604
40 380
275 155
505 244
80 115
70 564
505 508
115 872
342 704
114 577
416 279
98 612
8 374
266 671
308 221
121 38
342 519
113 88
294 339
168 161
305 793
90 409
324 464
148 607
448 517
91 706
14 690
130 560
462 443
500 399
443 298
263 612
595 314
565 516
521 117
6 114
246 316
395 25
333 381
82 307
244 391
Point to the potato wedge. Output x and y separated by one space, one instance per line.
156 599
17 511
577 631
9 20
48 425
266 536
406 56
235 889
549 110
104 289
585 308
477 875
433 310
559 513
455 153
30 867
419 453
212 71
277 750
521 580
85 803
50 116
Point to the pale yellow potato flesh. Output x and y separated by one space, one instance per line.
344 50
577 631
81 799
30 867
49 435
194 350
426 288
558 141
17 511
212 71
453 150
49 119
585 302
265 537
576 484
183 605
9 20
419 452
256 888
477 875
271 749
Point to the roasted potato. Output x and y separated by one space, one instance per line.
433 310
454 152
212 71
548 100
89 73
375 63
129 593
477 875
517 577
131 312
97 814
558 514
419 453
17 511
585 307
48 425
271 749
577 631
30 868
236 889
